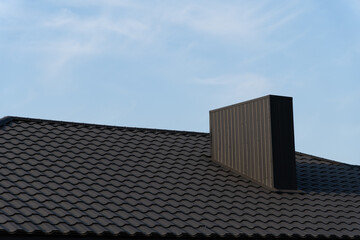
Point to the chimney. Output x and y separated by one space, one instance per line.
256 139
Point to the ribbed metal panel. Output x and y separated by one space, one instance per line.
241 139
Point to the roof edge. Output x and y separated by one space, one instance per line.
5 120
325 159
8 119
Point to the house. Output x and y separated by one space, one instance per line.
243 180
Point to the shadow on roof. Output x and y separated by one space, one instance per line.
327 177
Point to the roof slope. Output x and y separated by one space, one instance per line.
69 178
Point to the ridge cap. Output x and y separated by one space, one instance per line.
7 119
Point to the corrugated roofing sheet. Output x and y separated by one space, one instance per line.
69 178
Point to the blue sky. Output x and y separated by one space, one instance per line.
165 64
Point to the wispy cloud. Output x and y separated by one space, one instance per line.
97 25
238 87
88 36
65 33
8 8
63 53
96 3
244 21
354 5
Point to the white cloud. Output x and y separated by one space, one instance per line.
96 3
98 25
8 8
235 88
87 37
354 5
62 53
74 29
239 22
243 21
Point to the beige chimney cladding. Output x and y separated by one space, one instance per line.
256 139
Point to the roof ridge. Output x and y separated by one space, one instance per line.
8 119
5 120
325 159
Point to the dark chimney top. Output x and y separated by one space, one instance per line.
256 139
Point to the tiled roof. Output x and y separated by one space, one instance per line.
79 179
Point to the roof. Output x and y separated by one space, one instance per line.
85 179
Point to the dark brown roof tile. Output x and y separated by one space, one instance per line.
66 178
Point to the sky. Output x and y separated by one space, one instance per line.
165 64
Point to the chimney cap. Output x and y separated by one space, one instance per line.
249 101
